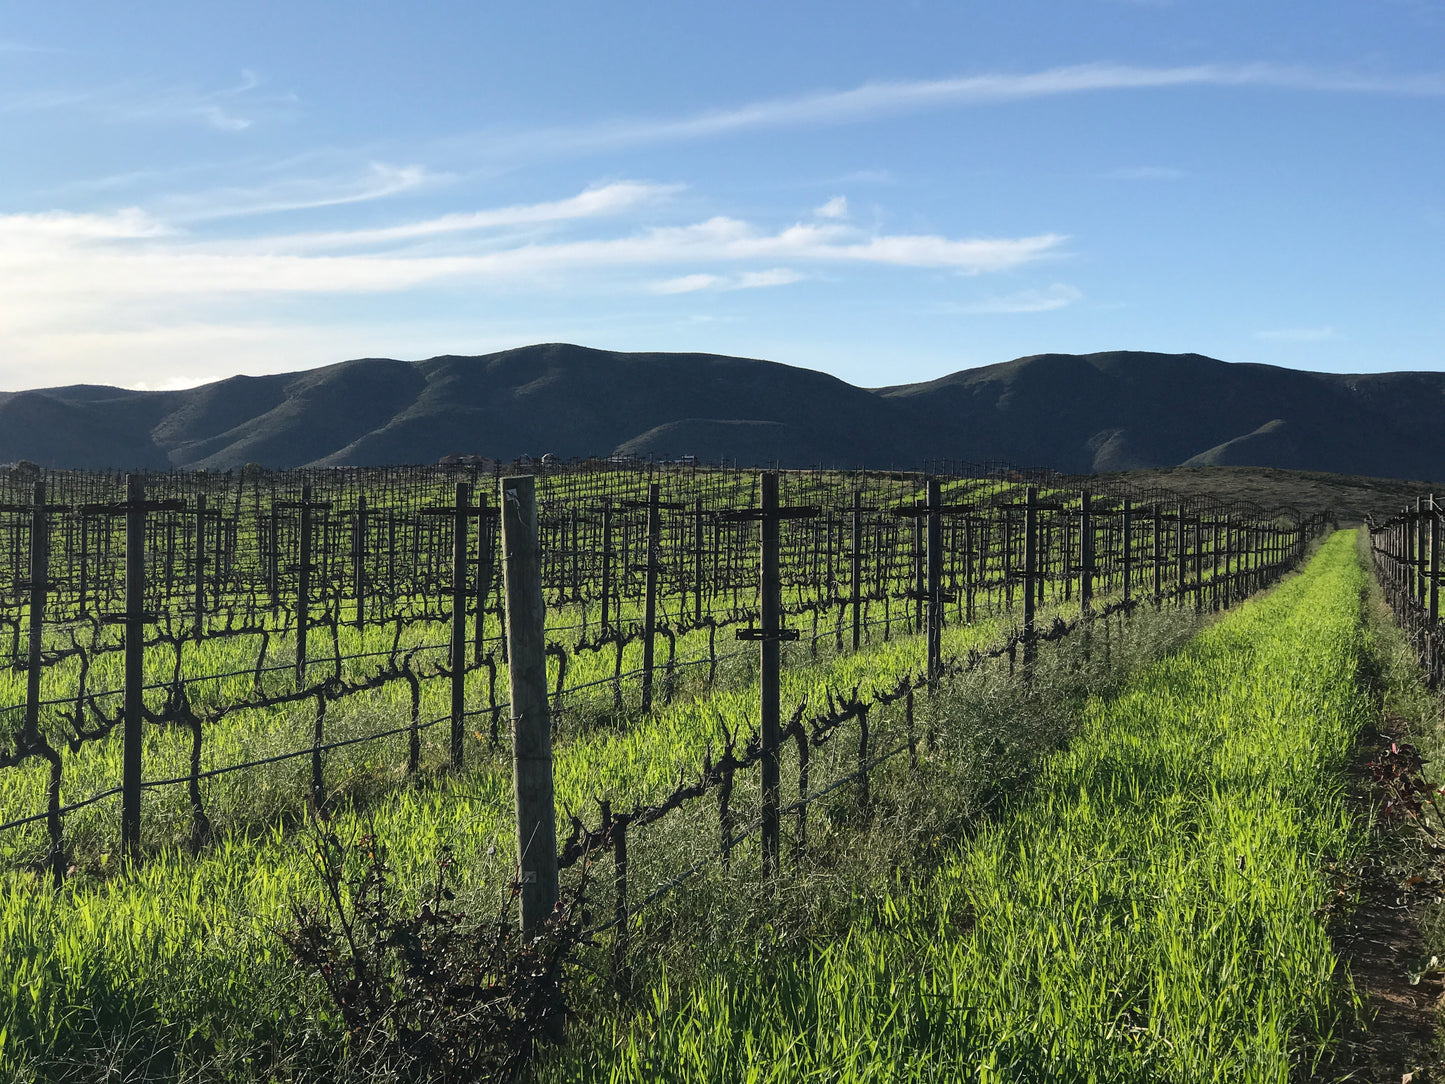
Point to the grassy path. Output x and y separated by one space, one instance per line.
1145 914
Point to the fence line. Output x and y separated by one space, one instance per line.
1406 551
927 549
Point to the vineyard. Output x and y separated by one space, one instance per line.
739 673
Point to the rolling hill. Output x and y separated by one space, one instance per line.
1119 410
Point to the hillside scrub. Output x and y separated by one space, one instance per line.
1147 910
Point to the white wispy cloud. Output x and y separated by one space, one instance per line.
837 207
233 108
608 199
1297 334
376 180
85 260
1058 296
881 99
747 280
133 280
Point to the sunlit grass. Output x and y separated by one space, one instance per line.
1146 913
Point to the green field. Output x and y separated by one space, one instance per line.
1146 910
175 965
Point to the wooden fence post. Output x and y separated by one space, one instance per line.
1086 552
37 589
1435 660
1128 562
1031 558
303 587
135 588
1066 570
30 740
770 589
84 560
935 581
1182 555
606 556
856 570
531 711
970 569
460 511
484 579
358 560
200 585
697 564
1158 556
920 581
649 608
1422 585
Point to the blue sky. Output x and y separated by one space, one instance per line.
888 192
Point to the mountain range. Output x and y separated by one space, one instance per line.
1118 410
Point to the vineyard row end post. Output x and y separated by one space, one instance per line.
135 588
935 581
461 510
530 706
649 608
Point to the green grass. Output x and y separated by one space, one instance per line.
184 951
1146 913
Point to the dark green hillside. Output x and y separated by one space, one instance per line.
1120 410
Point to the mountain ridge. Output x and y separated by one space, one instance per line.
1112 410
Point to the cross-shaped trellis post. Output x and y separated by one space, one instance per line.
134 618
770 634
304 567
651 565
462 510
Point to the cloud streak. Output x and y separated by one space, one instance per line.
881 99
133 283
748 280
1059 295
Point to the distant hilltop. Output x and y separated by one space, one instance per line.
1118 410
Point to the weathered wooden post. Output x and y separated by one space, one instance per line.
1086 552
273 556
1128 558
770 588
200 570
1182 586
1214 600
935 581
856 567
531 712
1421 587
460 511
37 589
920 582
1435 660
769 635
84 561
649 608
697 565
1158 556
606 557
1067 569
484 577
303 587
1031 558
135 587
968 569
1198 564
358 560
